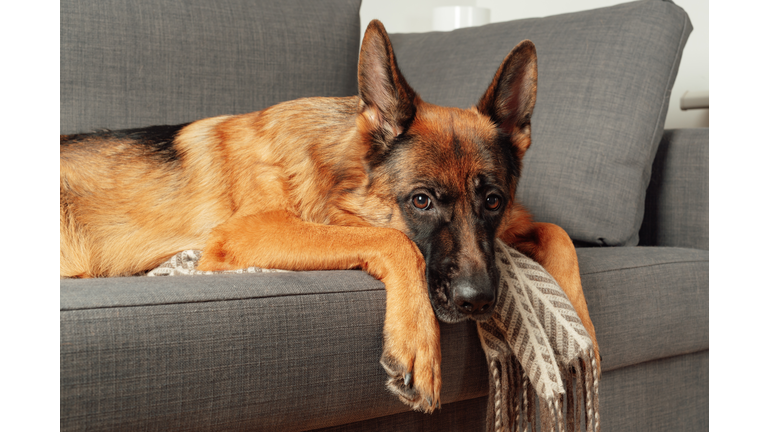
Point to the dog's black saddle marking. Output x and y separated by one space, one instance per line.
159 140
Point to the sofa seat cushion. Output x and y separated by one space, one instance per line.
646 303
605 77
268 351
300 350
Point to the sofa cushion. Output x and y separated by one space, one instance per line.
141 63
605 77
300 350
646 303
268 351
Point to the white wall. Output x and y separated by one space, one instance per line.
409 16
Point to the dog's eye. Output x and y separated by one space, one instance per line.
422 202
492 202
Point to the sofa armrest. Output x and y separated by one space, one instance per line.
677 199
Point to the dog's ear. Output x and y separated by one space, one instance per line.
388 99
510 98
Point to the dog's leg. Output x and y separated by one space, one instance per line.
551 247
279 239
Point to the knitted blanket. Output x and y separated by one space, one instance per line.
536 343
540 357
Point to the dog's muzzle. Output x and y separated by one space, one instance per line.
474 295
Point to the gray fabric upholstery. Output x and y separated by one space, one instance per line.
464 416
141 63
677 201
300 350
646 303
670 394
263 352
605 77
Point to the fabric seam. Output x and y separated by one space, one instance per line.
628 365
645 266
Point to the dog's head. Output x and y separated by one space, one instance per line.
447 176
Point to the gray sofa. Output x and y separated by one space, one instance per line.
299 351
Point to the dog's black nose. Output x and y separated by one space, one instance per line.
473 298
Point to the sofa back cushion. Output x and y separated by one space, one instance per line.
605 77
141 63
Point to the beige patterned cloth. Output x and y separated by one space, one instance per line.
185 263
535 343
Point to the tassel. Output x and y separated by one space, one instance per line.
588 398
559 413
531 403
568 377
510 399
545 412
596 402
579 395
516 390
493 418
524 414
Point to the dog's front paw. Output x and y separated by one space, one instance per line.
412 362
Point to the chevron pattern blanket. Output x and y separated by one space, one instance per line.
535 344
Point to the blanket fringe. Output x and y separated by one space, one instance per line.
513 405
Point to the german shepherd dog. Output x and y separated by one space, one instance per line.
410 192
